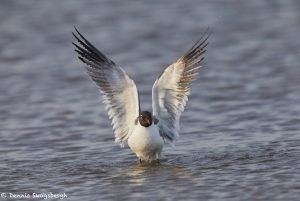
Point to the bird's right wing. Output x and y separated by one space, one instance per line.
119 92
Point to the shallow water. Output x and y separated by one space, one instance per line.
239 134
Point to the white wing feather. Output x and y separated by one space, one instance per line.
170 91
119 92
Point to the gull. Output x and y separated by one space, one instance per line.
144 132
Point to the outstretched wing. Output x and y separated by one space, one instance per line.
170 91
119 92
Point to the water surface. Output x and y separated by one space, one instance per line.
240 131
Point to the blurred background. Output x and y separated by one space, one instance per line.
240 131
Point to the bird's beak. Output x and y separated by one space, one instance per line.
148 121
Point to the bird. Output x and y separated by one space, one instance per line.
144 132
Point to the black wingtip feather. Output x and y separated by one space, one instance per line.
88 51
81 59
198 43
198 49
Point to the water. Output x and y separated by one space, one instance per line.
240 131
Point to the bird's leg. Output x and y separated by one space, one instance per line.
157 158
140 160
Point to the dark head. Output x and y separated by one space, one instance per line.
145 118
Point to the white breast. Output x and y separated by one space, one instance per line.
146 142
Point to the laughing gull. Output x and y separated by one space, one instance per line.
144 132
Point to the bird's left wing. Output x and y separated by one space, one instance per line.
119 92
170 91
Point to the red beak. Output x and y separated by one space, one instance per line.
148 121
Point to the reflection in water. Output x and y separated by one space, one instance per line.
138 174
135 174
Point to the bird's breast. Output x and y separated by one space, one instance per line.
145 139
